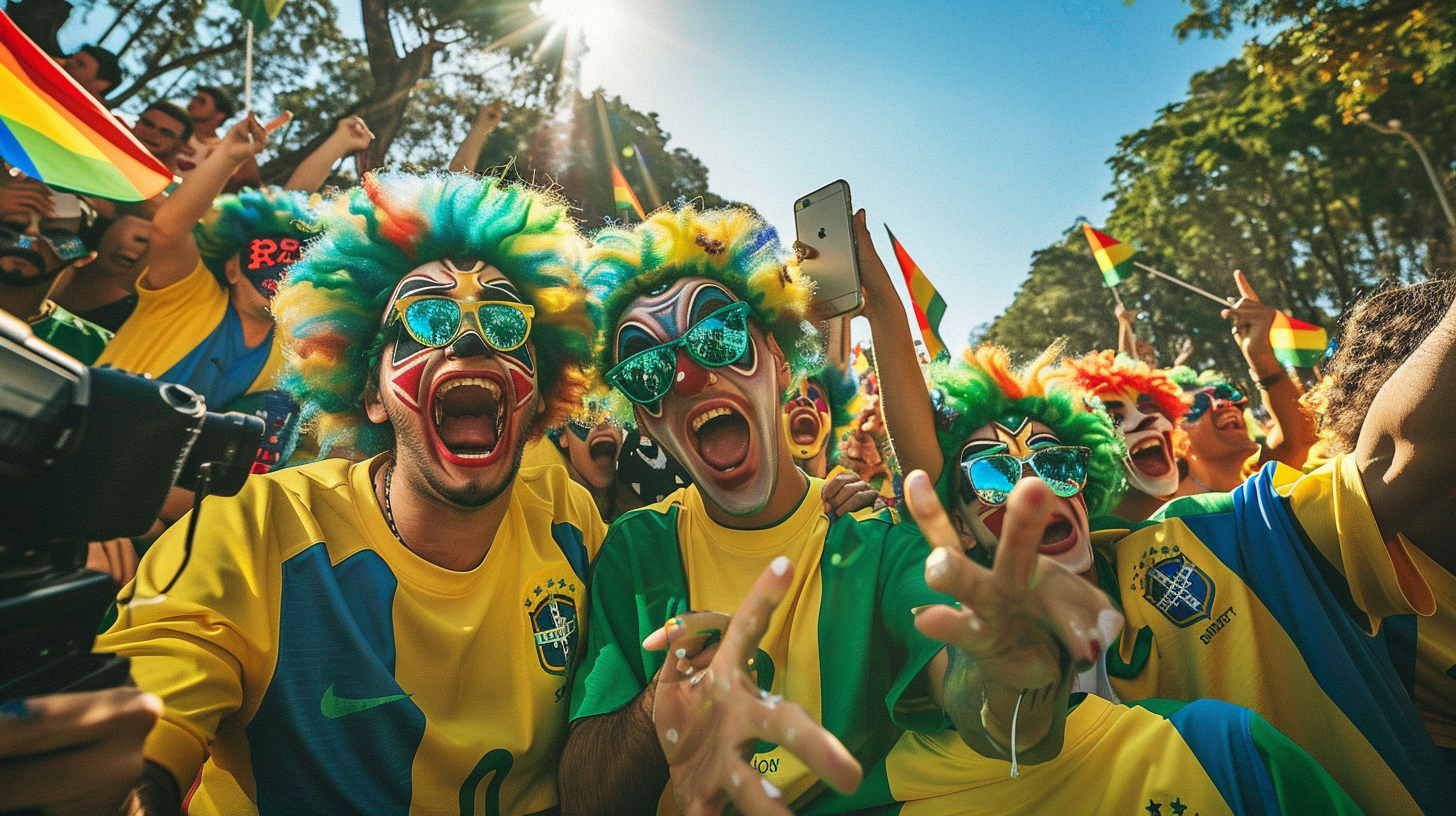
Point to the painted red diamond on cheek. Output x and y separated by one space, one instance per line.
524 387
406 382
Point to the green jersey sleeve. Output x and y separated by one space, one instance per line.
903 590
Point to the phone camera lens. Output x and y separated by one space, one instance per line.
806 202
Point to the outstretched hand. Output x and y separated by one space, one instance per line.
248 137
1252 321
709 711
1017 619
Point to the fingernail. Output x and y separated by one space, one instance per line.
16 710
768 788
671 735
1108 624
973 621
681 652
916 610
733 777
779 566
935 564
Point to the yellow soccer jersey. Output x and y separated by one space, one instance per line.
1273 597
172 322
310 663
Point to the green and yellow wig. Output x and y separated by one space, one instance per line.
330 306
841 391
233 220
982 387
731 246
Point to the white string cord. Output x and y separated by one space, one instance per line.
1015 771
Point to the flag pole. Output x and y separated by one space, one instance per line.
248 76
1185 284
1116 296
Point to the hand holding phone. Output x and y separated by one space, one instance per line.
827 252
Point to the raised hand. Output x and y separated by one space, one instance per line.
708 718
351 135
1016 620
1252 321
247 138
845 492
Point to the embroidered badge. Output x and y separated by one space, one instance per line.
551 607
1180 590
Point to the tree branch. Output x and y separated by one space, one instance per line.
166 68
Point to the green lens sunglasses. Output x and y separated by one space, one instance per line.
1062 467
435 321
717 340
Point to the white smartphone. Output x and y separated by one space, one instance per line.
824 222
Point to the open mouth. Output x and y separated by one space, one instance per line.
1151 456
804 426
1058 537
469 414
721 436
603 451
1229 420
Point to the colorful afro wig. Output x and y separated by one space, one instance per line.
1107 372
982 387
234 220
331 305
1189 380
731 246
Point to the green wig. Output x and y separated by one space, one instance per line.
1190 380
331 304
733 247
841 391
982 388
234 220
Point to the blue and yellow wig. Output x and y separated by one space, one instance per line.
330 306
982 387
225 230
733 247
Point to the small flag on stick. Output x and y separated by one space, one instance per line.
929 306
1297 343
261 13
622 192
1114 257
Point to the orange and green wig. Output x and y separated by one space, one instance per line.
733 247
1107 372
330 307
982 387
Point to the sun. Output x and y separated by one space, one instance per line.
586 19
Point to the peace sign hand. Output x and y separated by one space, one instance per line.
708 719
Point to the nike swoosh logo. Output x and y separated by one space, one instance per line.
336 707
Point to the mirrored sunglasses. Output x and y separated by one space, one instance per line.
435 321
1062 467
717 340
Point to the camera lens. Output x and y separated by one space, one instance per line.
806 202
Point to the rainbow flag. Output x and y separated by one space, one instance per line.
55 132
261 12
1297 343
929 306
1114 257
622 192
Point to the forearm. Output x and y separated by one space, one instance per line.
194 196
984 711
904 397
1126 339
612 763
1293 434
1406 446
156 795
314 170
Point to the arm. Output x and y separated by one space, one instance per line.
612 762
172 253
1294 433
486 120
350 136
1406 447
1022 629
904 398
1127 339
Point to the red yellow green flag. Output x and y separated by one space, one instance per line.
622 192
261 12
1114 257
53 131
1297 343
929 306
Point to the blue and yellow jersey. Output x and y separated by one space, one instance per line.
173 323
310 663
1283 597
1156 758
855 582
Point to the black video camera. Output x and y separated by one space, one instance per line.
88 454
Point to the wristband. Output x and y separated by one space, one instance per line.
1268 381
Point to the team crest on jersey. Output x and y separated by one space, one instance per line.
1178 588
551 607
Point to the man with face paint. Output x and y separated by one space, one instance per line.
702 330
1004 432
397 634
34 261
1239 599
202 317
1145 406
816 410
588 445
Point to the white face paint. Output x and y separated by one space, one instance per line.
1148 434
721 424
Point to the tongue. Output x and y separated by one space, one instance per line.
723 442
804 428
468 432
1151 461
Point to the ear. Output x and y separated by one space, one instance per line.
373 402
233 271
782 375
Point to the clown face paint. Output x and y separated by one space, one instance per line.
1148 434
266 259
720 423
461 413
1067 539
806 419
592 450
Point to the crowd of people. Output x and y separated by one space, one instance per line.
555 522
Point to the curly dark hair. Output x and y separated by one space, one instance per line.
1376 336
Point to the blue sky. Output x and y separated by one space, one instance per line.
978 130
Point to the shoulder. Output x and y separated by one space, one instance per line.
199 279
548 491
